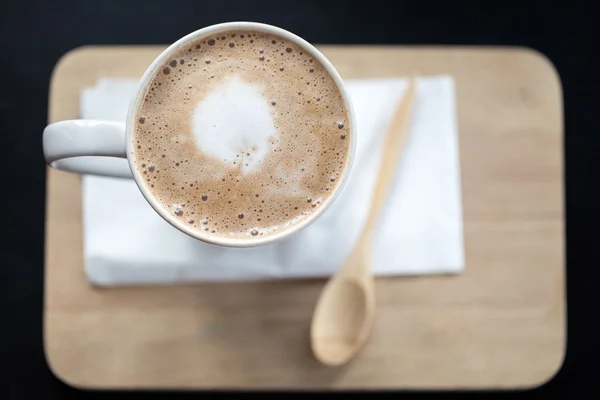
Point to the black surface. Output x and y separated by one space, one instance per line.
34 34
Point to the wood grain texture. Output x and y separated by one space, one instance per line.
501 324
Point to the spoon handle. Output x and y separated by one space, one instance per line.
392 149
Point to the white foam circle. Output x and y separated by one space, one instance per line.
234 123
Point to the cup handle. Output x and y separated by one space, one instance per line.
87 146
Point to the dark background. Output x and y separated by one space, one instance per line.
35 34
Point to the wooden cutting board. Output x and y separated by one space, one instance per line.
501 324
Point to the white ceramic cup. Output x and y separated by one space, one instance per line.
82 146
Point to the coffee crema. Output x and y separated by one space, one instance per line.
241 134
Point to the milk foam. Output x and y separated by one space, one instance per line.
233 124
241 134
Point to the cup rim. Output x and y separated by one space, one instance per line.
162 59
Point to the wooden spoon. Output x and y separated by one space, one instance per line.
345 311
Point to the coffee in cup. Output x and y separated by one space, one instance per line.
241 134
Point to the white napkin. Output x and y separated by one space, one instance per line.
420 231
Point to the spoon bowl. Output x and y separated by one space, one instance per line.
343 319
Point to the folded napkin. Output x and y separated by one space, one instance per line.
420 230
